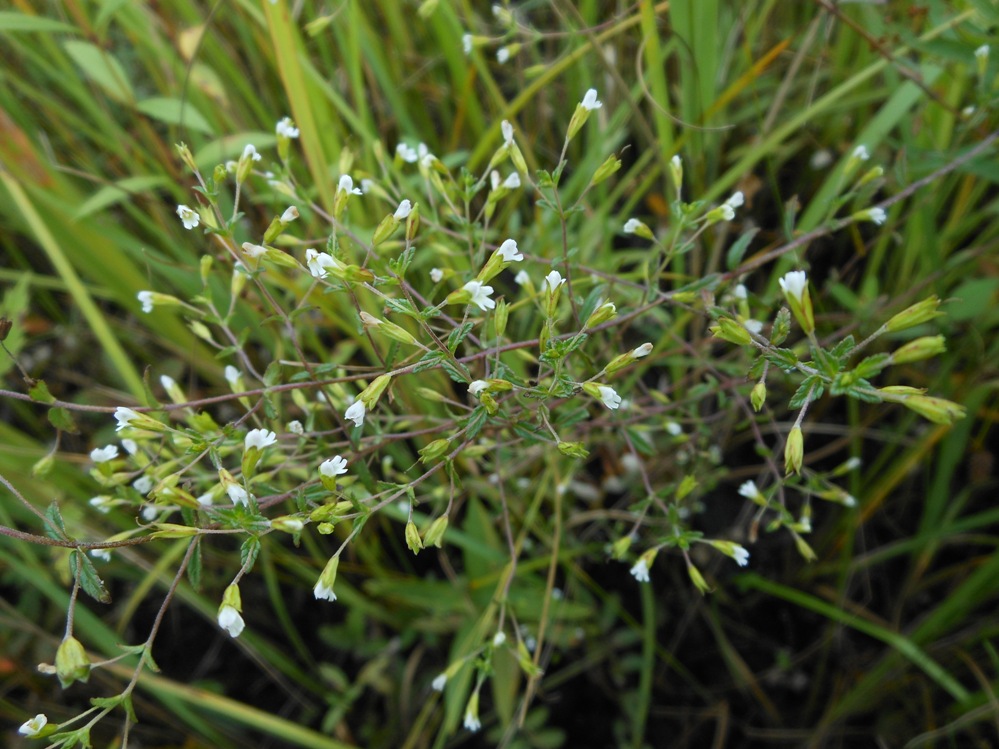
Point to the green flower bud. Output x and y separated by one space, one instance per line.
603 313
71 663
698 579
619 549
573 450
794 451
413 538
919 349
917 314
732 331
937 410
434 535
434 450
759 395
605 170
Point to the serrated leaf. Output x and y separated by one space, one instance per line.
39 392
56 527
735 253
401 306
428 361
453 371
871 365
475 422
458 335
90 581
811 389
248 552
844 347
175 112
782 326
857 391
62 419
102 68
783 357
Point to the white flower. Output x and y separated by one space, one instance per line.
502 54
190 217
739 292
355 413
982 52
676 161
436 275
753 326
232 375
480 295
104 454
727 212
289 215
609 397
33 727
131 446
125 417
674 429
499 638
260 438
231 621
439 681
590 102
877 215
403 211
238 496
347 185
149 512
740 555
142 485
748 489
860 153
852 464
295 427
631 225
322 593
466 43
477 387
850 501
286 128
254 250
793 283
494 179
146 297
512 182
507 129
406 153
205 500
472 722
509 252
426 158
102 554
318 262
521 278
641 571
644 350
101 504
336 466
553 280
250 152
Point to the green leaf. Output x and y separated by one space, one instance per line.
13 21
62 419
56 527
428 361
115 193
89 580
783 357
871 365
248 552
175 112
811 384
458 335
101 68
738 249
40 392
475 422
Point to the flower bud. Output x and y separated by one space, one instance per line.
676 173
71 662
573 450
795 287
413 538
186 156
605 170
759 395
937 410
917 314
434 450
919 349
732 331
603 313
619 549
434 535
370 395
698 579
794 451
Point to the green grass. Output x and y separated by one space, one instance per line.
890 631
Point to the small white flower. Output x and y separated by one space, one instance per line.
736 199
347 185
748 489
286 128
739 292
480 295
436 275
877 215
125 417
322 593
494 179
740 554
439 681
355 413
231 621
982 52
101 504
33 727
407 153
250 152
403 211
477 387
852 464
425 157
521 278
502 55
318 262
295 427
553 280
641 571
238 496
472 722
289 215
499 638
190 217
860 153
850 501
205 500
466 43
609 397
336 466
104 454
676 161
146 297
103 554
509 252
232 375
674 429
644 350
260 438
631 225
150 512
753 326
793 283
507 129
727 212
131 446
589 101
254 250
512 182
142 485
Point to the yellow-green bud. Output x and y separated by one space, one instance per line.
919 349
385 229
676 173
434 450
413 538
490 403
370 395
732 331
937 410
759 396
804 549
573 450
894 391
71 662
917 314
500 316
605 170
794 451
430 395
870 175
698 579
206 267
288 524
186 156
603 313
619 549
434 535
173 530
